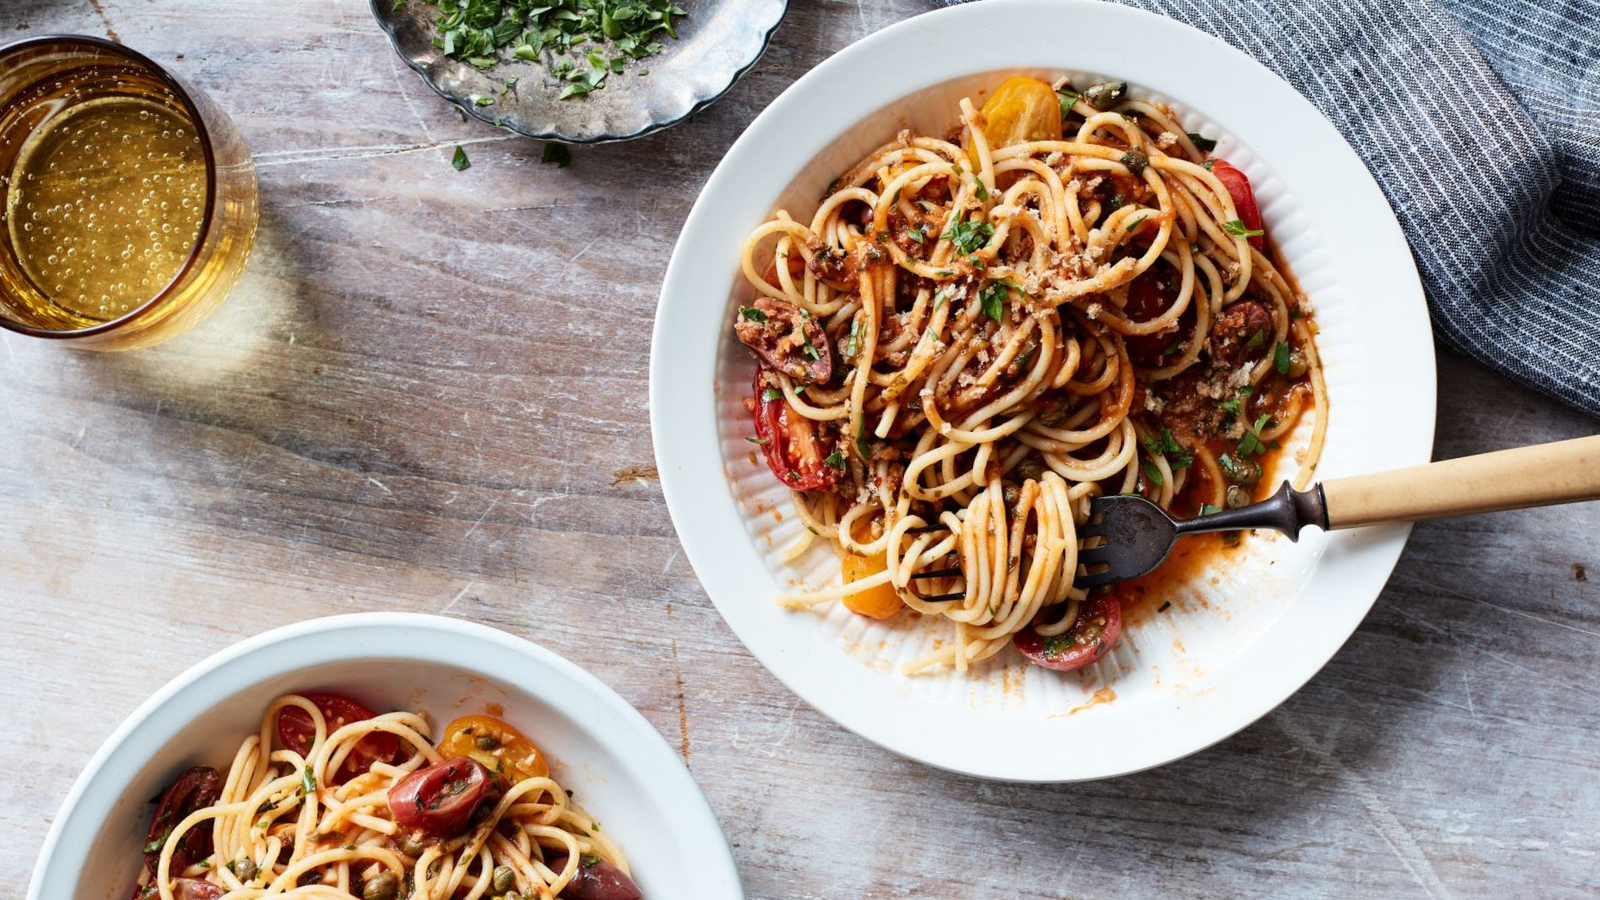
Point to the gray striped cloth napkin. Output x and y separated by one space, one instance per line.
1480 119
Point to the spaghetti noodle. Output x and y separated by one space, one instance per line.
976 334
331 800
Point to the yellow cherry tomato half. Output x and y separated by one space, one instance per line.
496 746
879 602
1021 109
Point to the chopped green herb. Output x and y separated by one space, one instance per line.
1152 472
1251 444
589 860
861 442
835 460
484 101
969 237
460 160
771 394
1136 161
1207 509
943 295
1208 164
1166 445
1280 358
476 31
1257 338
558 154
308 781
1238 229
1201 143
917 234
156 845
993 299
1137 222
1235 406
1175 348
981 191
854 341
1069 99
760 442
753 314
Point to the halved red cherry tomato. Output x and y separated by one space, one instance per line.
496 746
1244 199
595 879
794 452
195 789
1091 637
296 731
439 800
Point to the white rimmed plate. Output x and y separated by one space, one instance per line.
600 747
1245 634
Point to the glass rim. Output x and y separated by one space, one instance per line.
207 213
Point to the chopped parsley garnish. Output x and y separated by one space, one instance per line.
1257 338
917 234
1207 164
1202 143
460 160
1136 161
835 460
968 236
1207 509
854 342
1069 99
981 191
1280 358
1238 229
1025 360
1175 348
1165 445
771 394
611 32
760 442
484 101
1152 472
1116 202
993 300
1235 406
558 154
156 845
308 781
810 348
1251 444
861 442
943 295
589 860
1137 222
753 314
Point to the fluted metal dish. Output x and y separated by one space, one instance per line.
718 41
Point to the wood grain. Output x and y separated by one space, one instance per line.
429 394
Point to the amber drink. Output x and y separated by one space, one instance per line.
129 200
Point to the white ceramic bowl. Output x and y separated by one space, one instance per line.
1236 642
602 749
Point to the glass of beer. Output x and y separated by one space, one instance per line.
128 199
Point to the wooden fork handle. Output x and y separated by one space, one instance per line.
1540 475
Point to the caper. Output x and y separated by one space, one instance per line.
382 886
1237 496
1297 364
412 847
1106 94
1240 471
1136 161
504 879
487 742
312 877
244 867
1030 469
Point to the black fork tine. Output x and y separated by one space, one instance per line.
1094 555
1095 579
937 573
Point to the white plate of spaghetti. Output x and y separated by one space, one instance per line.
385 756
942 293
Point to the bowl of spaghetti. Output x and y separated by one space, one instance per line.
941 294
385 756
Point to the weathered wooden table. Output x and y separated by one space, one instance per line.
428 393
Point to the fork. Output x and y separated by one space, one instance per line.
1137 535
